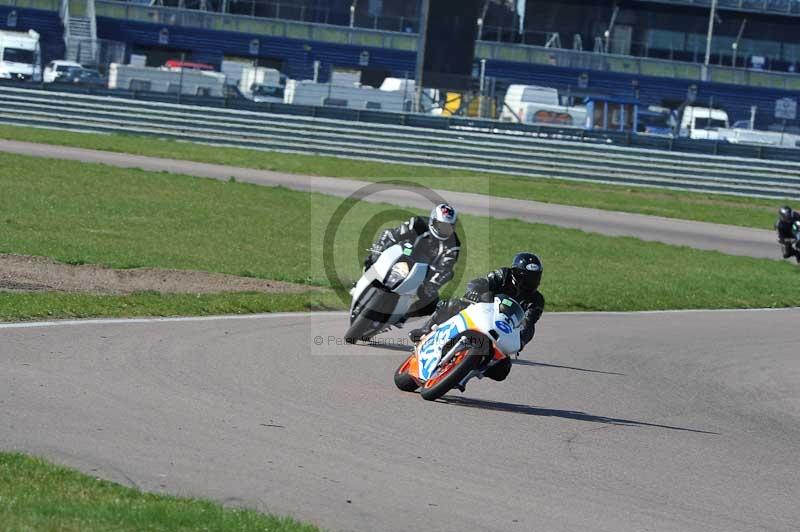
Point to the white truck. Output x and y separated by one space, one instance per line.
703 123
533 104
261 84
188 81
20 55
307 92
712 124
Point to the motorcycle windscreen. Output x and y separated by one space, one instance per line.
414 279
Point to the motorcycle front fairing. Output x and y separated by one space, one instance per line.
379 272
483 318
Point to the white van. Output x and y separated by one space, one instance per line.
20 55
532 104
703 122
54 68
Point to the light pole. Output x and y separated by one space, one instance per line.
710 36
735 45
353 13
421 43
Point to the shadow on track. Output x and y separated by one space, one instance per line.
390 346
521 362
550 412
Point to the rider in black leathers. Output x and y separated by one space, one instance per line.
785 227
520 282
435 240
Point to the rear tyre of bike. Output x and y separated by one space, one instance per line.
403 379
453 373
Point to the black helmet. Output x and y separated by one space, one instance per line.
786 213
529 269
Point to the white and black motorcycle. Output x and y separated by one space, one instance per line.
384 294
791 246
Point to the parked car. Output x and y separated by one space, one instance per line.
54 69
81 76
90 77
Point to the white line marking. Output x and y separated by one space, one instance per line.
673 311
275 315
125 321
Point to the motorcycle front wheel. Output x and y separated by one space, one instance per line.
362 329
372 318
402 379
448 376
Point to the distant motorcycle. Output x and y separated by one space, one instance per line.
462 348
383 295
791 246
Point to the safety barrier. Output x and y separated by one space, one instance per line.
465 145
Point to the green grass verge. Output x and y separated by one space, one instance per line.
730 210
38 496
83 213
59 305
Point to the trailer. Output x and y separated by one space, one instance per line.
353 97
20 55
187 81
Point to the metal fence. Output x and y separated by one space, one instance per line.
465 145
786 7
637 66
255 25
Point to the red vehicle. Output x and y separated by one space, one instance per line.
177 63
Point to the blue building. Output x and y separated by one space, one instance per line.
297 41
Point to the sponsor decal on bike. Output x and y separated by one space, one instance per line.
431 351
504 327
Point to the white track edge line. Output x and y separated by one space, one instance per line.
276 315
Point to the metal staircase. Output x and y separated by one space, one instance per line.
80 30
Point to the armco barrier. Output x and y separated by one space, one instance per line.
434 122
468 145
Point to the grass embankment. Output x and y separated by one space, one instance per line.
35 495
730 210
82 213
49 305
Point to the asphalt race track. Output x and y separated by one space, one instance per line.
724 238
665 421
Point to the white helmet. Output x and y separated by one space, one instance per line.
443 221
